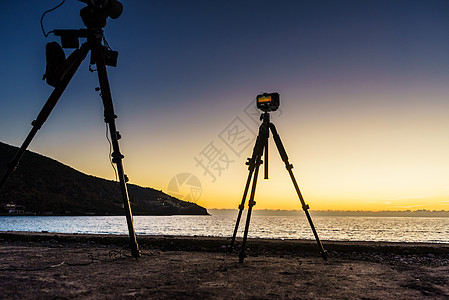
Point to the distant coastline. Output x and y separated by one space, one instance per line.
280 212
342 213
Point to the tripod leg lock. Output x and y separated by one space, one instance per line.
305 207
251 162
116 157
251 203
289 166
109 118
241 206
36 124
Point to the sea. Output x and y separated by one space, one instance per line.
337 228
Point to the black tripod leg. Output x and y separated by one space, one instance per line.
257 150
73 62
289 167
255 162
251 203
109 118
241 207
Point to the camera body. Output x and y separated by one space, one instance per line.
268 102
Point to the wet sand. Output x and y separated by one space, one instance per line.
50 265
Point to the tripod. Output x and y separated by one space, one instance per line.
253 166
99 57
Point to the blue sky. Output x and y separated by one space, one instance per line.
363 84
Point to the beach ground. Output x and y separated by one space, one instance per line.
49 266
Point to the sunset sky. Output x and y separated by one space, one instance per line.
364 89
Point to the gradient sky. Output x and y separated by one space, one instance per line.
364 91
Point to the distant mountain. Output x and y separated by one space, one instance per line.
45 186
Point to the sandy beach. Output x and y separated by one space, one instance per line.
50 265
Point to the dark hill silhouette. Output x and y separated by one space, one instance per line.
44 185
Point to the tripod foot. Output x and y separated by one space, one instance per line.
241 257
136 254
324 254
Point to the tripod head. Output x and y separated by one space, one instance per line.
94 16
265 117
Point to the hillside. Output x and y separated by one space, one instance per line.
45 186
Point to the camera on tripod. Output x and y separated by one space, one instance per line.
60 71
94 16
268 102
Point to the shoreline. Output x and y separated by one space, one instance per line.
214 244
263 212
37 265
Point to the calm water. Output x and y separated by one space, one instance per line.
398 229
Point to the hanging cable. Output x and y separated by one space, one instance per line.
106 44
42 18
110 152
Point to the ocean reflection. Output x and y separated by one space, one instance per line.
394 229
